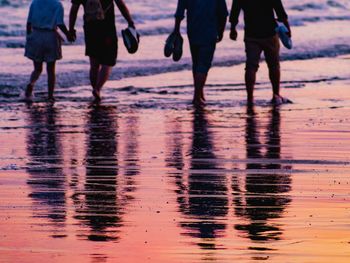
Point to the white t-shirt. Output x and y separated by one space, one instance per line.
46 14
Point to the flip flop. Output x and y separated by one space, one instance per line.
178 48
169 45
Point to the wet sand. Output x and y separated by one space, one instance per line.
147 178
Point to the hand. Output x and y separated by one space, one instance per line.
233 34
72 35
132 25
220 37
286 23
289 33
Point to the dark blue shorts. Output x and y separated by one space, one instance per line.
202 57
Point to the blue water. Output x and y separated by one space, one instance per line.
155 16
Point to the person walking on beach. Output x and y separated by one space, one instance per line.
43 43
100 37
260 36
206 21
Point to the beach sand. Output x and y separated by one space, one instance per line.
147 178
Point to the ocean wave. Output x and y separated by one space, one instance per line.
156 17
320 6
336 4
15 37
308 6
13 3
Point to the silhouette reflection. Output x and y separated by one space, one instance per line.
266 183
131 156
97 205
47 180
175 151
202 197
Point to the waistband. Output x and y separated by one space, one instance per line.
260 39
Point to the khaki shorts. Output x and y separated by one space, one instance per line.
255 46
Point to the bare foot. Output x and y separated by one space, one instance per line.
29 92
97 95
202 95
279 100
51 99
198 102
250 102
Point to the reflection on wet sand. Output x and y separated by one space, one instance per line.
47 180
131 152
101 195
202 195
97 206
129 185
265 195
175 145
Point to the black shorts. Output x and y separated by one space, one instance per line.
202 57
101 42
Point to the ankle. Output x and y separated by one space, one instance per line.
29 90
250 99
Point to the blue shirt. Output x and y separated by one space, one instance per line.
46 14
203 19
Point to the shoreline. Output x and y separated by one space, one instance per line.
176 87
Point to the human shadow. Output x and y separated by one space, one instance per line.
45 165
202 194
97 205
263 196
131 153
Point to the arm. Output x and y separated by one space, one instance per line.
60 23
125 12
234 18
222 16
67 33
72 19
282 15
177 24
179 15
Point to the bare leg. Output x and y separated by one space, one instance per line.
273 62
102 78
38 68
199 83
94 71
250 78
51 79
253 52
202 93
275 77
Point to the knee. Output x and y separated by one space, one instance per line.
251 67
38 70
94 68
273 66
201 69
